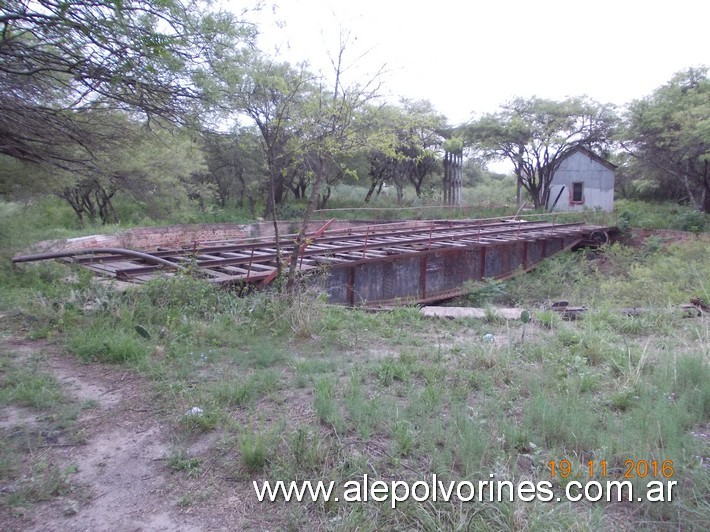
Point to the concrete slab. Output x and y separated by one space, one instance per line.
468 312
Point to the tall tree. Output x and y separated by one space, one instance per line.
668 133
336 121
62 60
422 138
233 160
155 169
535 135
271 95
415 135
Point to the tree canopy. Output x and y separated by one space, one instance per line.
65 62
536 134
83 83
668 134
413 133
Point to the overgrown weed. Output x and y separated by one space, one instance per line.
306 391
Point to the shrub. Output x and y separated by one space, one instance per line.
104 344
254 451
480 294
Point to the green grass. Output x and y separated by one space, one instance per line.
46 417
662 215
179 460
25 385
254 450
303 390
103 343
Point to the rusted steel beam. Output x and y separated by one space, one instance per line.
447 239
354 236
369 264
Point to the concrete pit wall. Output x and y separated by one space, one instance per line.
180 236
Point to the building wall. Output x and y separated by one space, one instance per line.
598 184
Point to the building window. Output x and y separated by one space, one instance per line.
577 192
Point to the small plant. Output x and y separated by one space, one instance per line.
653 244
185 501
104 343
480 294
237 390
623 399
624 223
324 401
404 437
196 420
548 319
693 221
308 450
254 451
29 387
391 370
181 461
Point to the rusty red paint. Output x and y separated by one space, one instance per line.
424 261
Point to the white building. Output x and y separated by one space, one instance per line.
582 181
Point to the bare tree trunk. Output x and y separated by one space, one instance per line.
372 188
518 190
706 188
301 237
275 221
323 199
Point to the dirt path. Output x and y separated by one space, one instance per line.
121 474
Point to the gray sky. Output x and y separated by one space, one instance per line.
467 58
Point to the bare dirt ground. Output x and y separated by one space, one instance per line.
121 480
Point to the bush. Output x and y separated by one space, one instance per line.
480 294
662 215
694 221
105 344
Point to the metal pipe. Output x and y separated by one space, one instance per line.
91 251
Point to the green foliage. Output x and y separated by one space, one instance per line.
199 421
629 276
240 390
667 215
196 297
535 134
180 461
254 450
668 132
46 413
364 412
693 221
308 452
324 401
404 437
104 343
453 145
480 294
391 370
145 63
27 386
